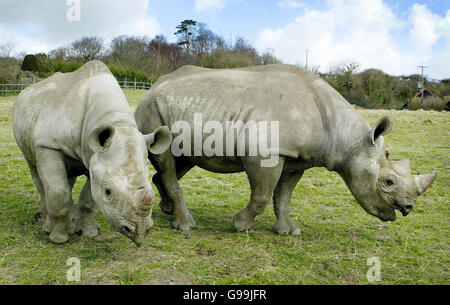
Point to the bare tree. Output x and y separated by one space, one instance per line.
204 40
268 58
163 57
59 54
129 51
5 50
87 48
244 47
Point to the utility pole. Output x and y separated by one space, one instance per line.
306 52
421 88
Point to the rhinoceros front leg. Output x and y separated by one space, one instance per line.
58 194
182 167
263 181
166 181
282 201
87 224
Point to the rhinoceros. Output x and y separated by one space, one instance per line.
317 128
80 123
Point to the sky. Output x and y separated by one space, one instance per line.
395 36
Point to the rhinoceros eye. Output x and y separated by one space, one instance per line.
107 192
389 182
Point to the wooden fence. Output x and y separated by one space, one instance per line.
8 89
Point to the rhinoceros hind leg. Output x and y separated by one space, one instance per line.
86 224
41 214
58 194
281 203
263 181
172 197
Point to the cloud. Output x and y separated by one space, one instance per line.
425 27
291 4
367 32
209 5
438 30
36 26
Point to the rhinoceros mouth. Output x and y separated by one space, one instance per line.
402 209
388 214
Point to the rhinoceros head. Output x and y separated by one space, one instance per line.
379 185
119 176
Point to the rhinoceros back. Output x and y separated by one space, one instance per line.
296 98
52 112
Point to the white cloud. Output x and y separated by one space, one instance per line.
362 31
209 5
36 26
291 4
425 27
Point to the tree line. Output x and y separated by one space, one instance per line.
145 59
375 88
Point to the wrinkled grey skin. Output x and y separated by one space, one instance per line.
80 123
317 128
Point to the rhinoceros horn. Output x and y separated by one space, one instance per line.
424 181
144 203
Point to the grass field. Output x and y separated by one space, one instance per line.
337 235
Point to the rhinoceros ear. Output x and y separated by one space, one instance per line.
382 127
159 140
100 137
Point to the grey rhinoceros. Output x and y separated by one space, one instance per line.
317 127
79 123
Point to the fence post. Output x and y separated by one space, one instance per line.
6 90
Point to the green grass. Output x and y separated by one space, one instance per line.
337 235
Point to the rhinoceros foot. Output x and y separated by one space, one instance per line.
40 216
185 224
243 222
87 225
166 207
59 228
285 228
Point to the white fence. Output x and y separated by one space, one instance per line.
8 89
134 85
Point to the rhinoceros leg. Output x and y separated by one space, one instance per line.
167 180
41 214
281 203
58 194
86 223
263 181
182 167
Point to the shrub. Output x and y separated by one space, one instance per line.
429 103
434 103
70 66
37 63
30 63
129 74
9 70
223 60
415 103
